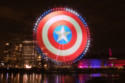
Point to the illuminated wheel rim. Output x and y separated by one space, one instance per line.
62 35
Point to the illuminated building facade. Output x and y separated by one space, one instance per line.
25 55
21 55
101 63
29 54
92 63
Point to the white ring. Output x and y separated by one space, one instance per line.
55 50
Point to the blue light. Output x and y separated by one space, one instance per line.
42 15
59 29
96 75
80 17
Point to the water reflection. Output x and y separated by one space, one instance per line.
52 78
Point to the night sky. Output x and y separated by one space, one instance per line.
106 20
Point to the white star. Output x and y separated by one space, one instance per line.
62 34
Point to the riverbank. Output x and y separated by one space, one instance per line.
63 70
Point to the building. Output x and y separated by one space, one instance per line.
29 54
24 55
21 55
101 63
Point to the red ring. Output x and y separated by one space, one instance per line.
62 46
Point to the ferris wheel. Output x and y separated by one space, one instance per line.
62 35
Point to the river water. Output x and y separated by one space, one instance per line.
60 78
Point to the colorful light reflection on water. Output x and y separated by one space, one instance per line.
55 78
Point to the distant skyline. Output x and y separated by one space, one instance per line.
106 20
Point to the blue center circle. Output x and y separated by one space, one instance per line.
62 34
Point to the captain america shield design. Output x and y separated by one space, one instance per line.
62 35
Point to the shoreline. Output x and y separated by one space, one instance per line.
64 71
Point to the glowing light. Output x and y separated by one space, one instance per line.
28 66
7 44
39 57
45 66
2 64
